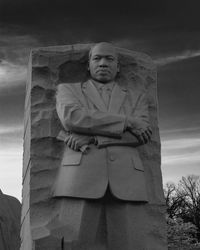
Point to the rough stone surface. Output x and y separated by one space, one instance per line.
10 212
42 151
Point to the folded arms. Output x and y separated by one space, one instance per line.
83 124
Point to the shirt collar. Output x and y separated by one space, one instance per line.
99 85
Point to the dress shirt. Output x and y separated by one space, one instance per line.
109 86
105 90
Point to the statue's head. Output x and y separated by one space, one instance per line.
103 62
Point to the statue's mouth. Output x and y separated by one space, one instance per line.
104 71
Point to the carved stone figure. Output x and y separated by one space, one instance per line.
10 212
94 161
110 125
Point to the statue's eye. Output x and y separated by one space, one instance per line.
110 59
96 58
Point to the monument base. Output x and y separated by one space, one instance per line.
92 225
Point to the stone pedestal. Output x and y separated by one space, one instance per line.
41 226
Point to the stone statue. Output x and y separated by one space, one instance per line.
95 158
10 211
98 120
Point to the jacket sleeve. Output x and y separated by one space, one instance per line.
76 117
140 111
127 139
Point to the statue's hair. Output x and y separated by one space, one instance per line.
93 46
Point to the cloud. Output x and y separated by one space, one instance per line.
182 130
11 169
14 52
12 74
181 150
10 137
15 47
174 133
8 130
128 43
14 150
180 153
11 151
175 58
164 50
181 144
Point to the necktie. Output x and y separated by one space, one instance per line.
106 95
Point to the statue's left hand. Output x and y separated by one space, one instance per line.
76 141
143 135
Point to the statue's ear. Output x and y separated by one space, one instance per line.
88 66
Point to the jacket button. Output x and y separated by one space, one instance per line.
112 157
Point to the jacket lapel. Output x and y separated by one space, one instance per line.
92 93
117 99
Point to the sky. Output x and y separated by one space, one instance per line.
168 31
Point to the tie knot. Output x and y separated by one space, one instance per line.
106 88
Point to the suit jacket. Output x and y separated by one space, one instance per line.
115 161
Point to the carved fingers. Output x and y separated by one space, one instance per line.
77 141
143 134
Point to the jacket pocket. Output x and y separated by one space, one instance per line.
71 157
137 163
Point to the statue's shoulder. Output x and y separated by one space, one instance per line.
135 90
72 86
64 85
69 87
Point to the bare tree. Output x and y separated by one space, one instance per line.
174 202
189 189
183 200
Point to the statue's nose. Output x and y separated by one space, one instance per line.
103 62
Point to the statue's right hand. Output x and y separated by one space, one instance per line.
76 141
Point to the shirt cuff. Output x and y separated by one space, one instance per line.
93 140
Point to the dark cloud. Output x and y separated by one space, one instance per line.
155 27
179 93
14 47
95 20
37 10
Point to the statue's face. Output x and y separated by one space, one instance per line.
103 63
